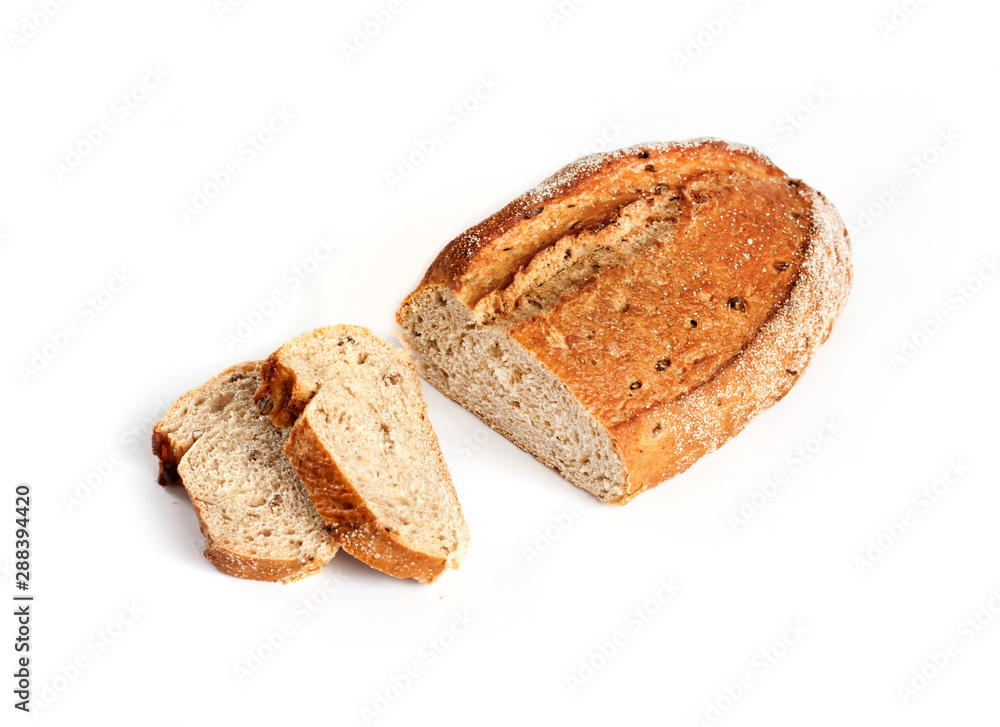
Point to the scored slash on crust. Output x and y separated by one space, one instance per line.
546 318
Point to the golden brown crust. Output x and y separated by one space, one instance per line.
762 258
283 396
170 448
665 440
253 567
280 395
471 262
353 524
665 322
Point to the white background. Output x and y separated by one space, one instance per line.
905 405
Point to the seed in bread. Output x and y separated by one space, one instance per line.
362 444
634 311
254 512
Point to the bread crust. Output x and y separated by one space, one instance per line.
252 567
701 420
167 460
463 260
170 450
354 525
659 434
283 396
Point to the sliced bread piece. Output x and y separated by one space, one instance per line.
362 444
256 516
634 311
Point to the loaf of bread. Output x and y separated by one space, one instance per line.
362 444
634 311
254 512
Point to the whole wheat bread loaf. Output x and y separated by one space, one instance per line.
362 444
634 311
254 512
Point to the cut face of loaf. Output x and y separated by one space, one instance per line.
362 444
635 310
254 512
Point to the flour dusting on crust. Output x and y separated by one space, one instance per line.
656 439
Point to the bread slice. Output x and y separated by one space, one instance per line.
256 516
363 446
634 311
